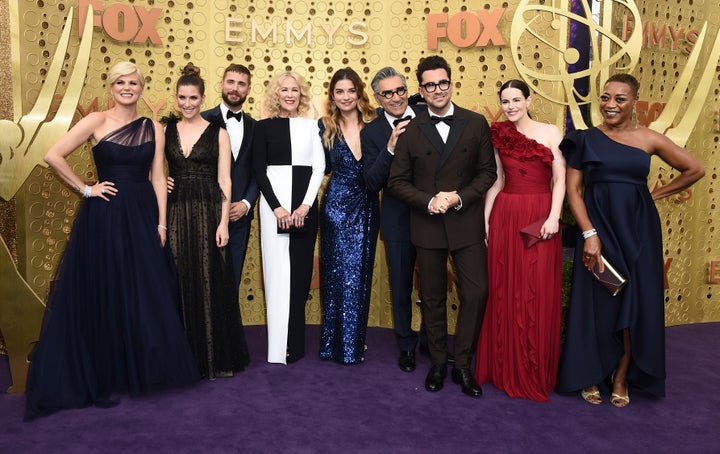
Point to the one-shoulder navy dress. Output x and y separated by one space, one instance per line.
112 322
622 211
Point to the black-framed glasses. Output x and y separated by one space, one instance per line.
388 94
431 86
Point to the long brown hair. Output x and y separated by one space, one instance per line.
332 121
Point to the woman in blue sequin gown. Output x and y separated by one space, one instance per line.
112 323
349 222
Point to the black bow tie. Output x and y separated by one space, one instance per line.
400 120
448 120
237 115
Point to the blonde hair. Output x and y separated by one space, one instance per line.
272 101
124 68
332 121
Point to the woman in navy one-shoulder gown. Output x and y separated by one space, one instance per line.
112 323
618 339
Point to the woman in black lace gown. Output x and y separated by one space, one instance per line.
111 323
199 159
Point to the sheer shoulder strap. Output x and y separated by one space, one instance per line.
137 132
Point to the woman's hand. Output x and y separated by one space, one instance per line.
162 234
103 190
298 216
591 253
221 235
283 218
549 228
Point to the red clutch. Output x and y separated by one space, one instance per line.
531 234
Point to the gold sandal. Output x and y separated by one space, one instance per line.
620 401
591 397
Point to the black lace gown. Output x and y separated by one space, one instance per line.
111 323
209 297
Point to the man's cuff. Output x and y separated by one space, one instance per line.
247 204
428 205
459 205
390 151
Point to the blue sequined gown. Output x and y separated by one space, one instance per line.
349 222
112 323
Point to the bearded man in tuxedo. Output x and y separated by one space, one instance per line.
234 88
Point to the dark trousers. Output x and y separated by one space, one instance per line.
239 235
471 270
401 263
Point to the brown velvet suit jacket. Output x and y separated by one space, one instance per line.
423 166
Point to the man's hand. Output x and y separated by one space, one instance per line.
170 184
397 131
443 201
237 210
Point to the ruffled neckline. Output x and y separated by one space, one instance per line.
511 142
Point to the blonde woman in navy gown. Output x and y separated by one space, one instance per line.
112 323
199 160
349 223
289 166
618 340
519 344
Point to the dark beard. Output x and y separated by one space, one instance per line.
233 104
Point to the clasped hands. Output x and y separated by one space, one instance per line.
286 219
443 201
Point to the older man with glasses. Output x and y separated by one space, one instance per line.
378 145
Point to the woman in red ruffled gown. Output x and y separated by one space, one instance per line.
519 345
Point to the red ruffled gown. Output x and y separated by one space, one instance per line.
519 344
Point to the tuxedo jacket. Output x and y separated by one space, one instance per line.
394 215
424 165
244 185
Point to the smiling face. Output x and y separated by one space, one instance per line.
514 104
617 102
397 105
437 100
127 89
234 88
189 100
289 97
345 95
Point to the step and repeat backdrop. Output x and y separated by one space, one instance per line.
54 56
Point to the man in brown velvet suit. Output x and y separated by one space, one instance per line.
444 163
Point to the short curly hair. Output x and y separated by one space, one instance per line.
272 101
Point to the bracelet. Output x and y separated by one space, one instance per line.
87 193
588 233
160 226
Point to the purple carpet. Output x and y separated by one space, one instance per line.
316 406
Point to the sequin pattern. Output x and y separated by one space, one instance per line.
349 223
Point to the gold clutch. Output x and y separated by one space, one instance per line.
610 278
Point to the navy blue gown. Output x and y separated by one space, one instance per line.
112 323
349 223
622 211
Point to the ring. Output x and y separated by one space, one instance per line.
102 191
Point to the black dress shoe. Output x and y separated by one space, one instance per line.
467 382
435 378
407 360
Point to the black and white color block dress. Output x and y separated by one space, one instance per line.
289 165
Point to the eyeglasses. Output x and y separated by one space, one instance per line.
388 94
431 86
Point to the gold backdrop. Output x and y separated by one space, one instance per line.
484 45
